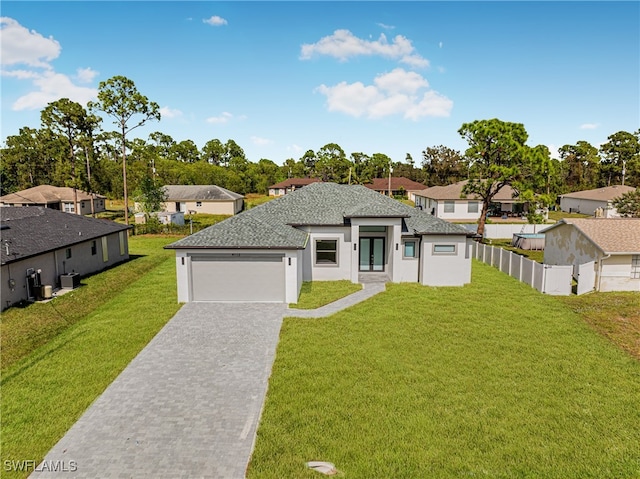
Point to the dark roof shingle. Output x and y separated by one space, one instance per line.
273 224
31 230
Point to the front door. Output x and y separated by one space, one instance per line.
371 254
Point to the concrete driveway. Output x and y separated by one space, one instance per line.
186 406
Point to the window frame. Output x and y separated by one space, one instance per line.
635 266
94 248
476 205
335 251
447 252
449 206
415 249
198 204
67 253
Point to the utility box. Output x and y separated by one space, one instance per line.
70 280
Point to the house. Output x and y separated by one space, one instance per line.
609 247
57 198
210 199
448 202
289 185
589 201
321 232
399 185
164 217
41 246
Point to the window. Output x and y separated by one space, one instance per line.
94 248
635 266
198 203
68 207
326 252
409 249
121 238
67 253
449 206
444 249
373 229
472 207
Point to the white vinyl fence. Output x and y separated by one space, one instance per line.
546 278
503 231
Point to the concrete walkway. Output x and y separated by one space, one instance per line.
368 290
188 405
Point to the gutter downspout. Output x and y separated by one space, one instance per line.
600 269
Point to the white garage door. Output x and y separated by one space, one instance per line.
237 277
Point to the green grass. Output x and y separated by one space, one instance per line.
49 388
253 199
558 215
534 255
314 294
451 382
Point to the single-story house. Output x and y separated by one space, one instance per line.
611 244
321 232
164 217
448 202
57 198
400 186
40 246
290 184
588 202
210 199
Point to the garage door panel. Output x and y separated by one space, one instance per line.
237 278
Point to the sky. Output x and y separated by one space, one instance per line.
281 78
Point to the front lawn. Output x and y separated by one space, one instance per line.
52 382
490 380
314 294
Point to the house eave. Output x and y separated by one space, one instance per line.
236 247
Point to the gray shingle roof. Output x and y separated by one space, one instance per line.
272 224
199 193
606 193
32 230
45 194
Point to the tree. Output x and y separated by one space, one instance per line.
628 204
119 98
444 165
332 164
620 152
498 157
213 152
580 166
151 195
70 120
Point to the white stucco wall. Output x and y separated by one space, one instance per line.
406 269
229 207
616 275
565 244
183 267
577 205
313 272
446 269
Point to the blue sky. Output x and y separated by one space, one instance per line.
280 78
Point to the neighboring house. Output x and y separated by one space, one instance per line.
589 201
164 217
448 202
322 232
40 245
57 198
290 184
612 244
202 199
400 186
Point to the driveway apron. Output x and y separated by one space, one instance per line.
186 406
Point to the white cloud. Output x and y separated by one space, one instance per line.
166 112
386 27
52 86
589 126
553 151
20 74
296 149
396 93
256 140
19 45
223 118
86 75
344 45
215 21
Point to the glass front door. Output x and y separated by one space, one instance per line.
371 254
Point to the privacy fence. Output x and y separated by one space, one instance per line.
546 278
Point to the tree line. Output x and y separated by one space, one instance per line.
72 148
